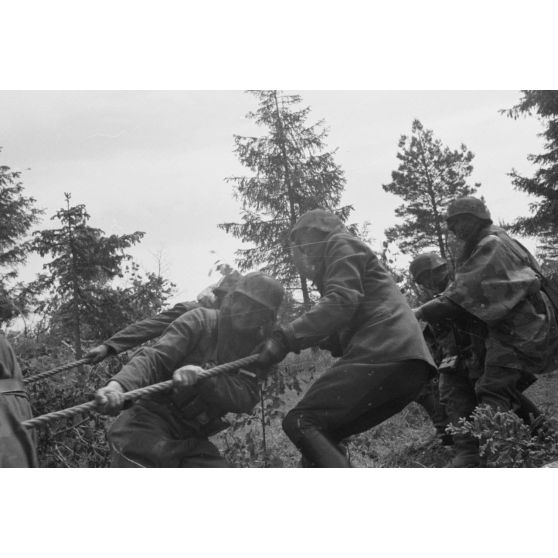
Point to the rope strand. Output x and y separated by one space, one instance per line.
134 394
42 375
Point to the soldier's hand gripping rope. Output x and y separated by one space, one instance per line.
94 405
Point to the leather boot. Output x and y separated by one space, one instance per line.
466 453
317 450
306 463
445 438
527 411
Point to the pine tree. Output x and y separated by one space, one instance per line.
83 261
430 175
292 173
543 221
17 215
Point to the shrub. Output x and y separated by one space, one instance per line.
506 441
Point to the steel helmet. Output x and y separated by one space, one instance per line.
427 261
468 205
318 219
262 288
227 283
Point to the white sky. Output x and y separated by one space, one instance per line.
163 173
156 161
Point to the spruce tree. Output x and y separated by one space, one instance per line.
83 261
17 215
543 221
292 172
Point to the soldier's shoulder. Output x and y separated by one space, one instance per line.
490 243
347 239
199 315
490 239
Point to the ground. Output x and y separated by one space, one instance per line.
405 440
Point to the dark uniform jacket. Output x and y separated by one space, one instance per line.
362 305
150 328
16 444
198 338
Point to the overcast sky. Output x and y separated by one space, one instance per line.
156 161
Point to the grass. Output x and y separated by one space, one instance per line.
405 440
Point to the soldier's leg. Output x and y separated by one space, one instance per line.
527 410
146 435
458 393
500 388
429 400
347 399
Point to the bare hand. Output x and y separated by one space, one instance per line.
186 376
97 354
110 399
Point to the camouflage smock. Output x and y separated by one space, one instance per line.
497 282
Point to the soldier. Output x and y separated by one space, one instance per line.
497 283
150 328
17 447
428 270
385 360
172 429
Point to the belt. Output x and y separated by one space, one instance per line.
11 385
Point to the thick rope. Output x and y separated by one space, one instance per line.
135 393
42 375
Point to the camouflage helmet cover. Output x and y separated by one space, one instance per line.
227 283
427 261
261 288
468 205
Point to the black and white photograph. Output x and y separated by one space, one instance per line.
311 245
257 279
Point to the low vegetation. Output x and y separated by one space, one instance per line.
406 440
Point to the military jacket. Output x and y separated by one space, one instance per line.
150 328
16 443
362 304
191 339
498 283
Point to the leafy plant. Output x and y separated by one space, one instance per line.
506 441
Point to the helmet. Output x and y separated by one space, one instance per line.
262 288
226 284
468 206
320 220
427 261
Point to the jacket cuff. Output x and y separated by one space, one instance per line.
127 386
113 349
290 338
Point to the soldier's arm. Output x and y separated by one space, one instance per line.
437 310
145 330
343 292
158 362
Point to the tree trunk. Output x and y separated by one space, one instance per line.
432 196
75 301
290 193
